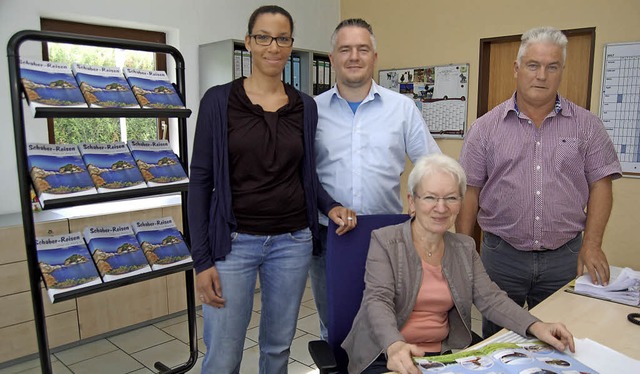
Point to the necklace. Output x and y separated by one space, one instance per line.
431 252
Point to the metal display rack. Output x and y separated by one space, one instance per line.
13 48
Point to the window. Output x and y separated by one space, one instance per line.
104 130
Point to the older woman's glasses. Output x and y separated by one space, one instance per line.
431 201
266 40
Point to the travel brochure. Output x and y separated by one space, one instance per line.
157 162
104 86
50 84
66 170
107 253
111 166
161 242
58 171
115 251
65 263
153 89
530 357
56 84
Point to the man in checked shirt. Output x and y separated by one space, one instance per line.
533 164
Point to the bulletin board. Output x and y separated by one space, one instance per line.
439 92
620 102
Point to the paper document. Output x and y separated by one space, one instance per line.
604 359
623 287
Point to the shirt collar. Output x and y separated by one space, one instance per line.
373 93
556 108
560 107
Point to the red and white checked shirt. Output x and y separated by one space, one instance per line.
535 181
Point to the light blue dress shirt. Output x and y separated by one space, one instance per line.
360 156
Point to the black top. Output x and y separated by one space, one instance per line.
265 155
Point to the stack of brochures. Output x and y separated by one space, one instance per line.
623 287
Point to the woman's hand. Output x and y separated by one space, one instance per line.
209 288
554 334
343 217
399 358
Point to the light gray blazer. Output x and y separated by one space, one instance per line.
392 281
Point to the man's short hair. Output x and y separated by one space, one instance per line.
353 22
545 34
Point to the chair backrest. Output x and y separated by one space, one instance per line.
346 259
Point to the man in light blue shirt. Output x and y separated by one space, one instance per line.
364 132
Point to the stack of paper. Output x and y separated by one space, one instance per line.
624 286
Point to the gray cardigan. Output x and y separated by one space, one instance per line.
392 281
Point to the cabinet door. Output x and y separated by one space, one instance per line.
121 307
19 340
17 308
12 248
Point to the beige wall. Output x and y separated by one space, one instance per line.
429 32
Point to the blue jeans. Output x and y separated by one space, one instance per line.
282 261
318 274
529 276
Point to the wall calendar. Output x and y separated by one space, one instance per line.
620 102
439 92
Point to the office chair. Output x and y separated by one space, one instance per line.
346 259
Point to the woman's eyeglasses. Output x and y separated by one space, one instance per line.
266 40
430 200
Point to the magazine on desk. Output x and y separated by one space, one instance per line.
525 357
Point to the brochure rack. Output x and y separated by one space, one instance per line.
13 48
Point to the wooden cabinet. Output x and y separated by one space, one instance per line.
83 317
17 327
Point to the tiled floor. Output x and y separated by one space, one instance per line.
136 351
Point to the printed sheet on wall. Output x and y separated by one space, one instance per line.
620 102
439 92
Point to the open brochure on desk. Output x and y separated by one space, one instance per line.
623 287
593 356
528 357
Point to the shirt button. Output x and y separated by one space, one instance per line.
529 122
537 218
537 192
538 167
536 242
537 143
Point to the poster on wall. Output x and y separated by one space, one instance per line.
439 92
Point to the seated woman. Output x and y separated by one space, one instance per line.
421 280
